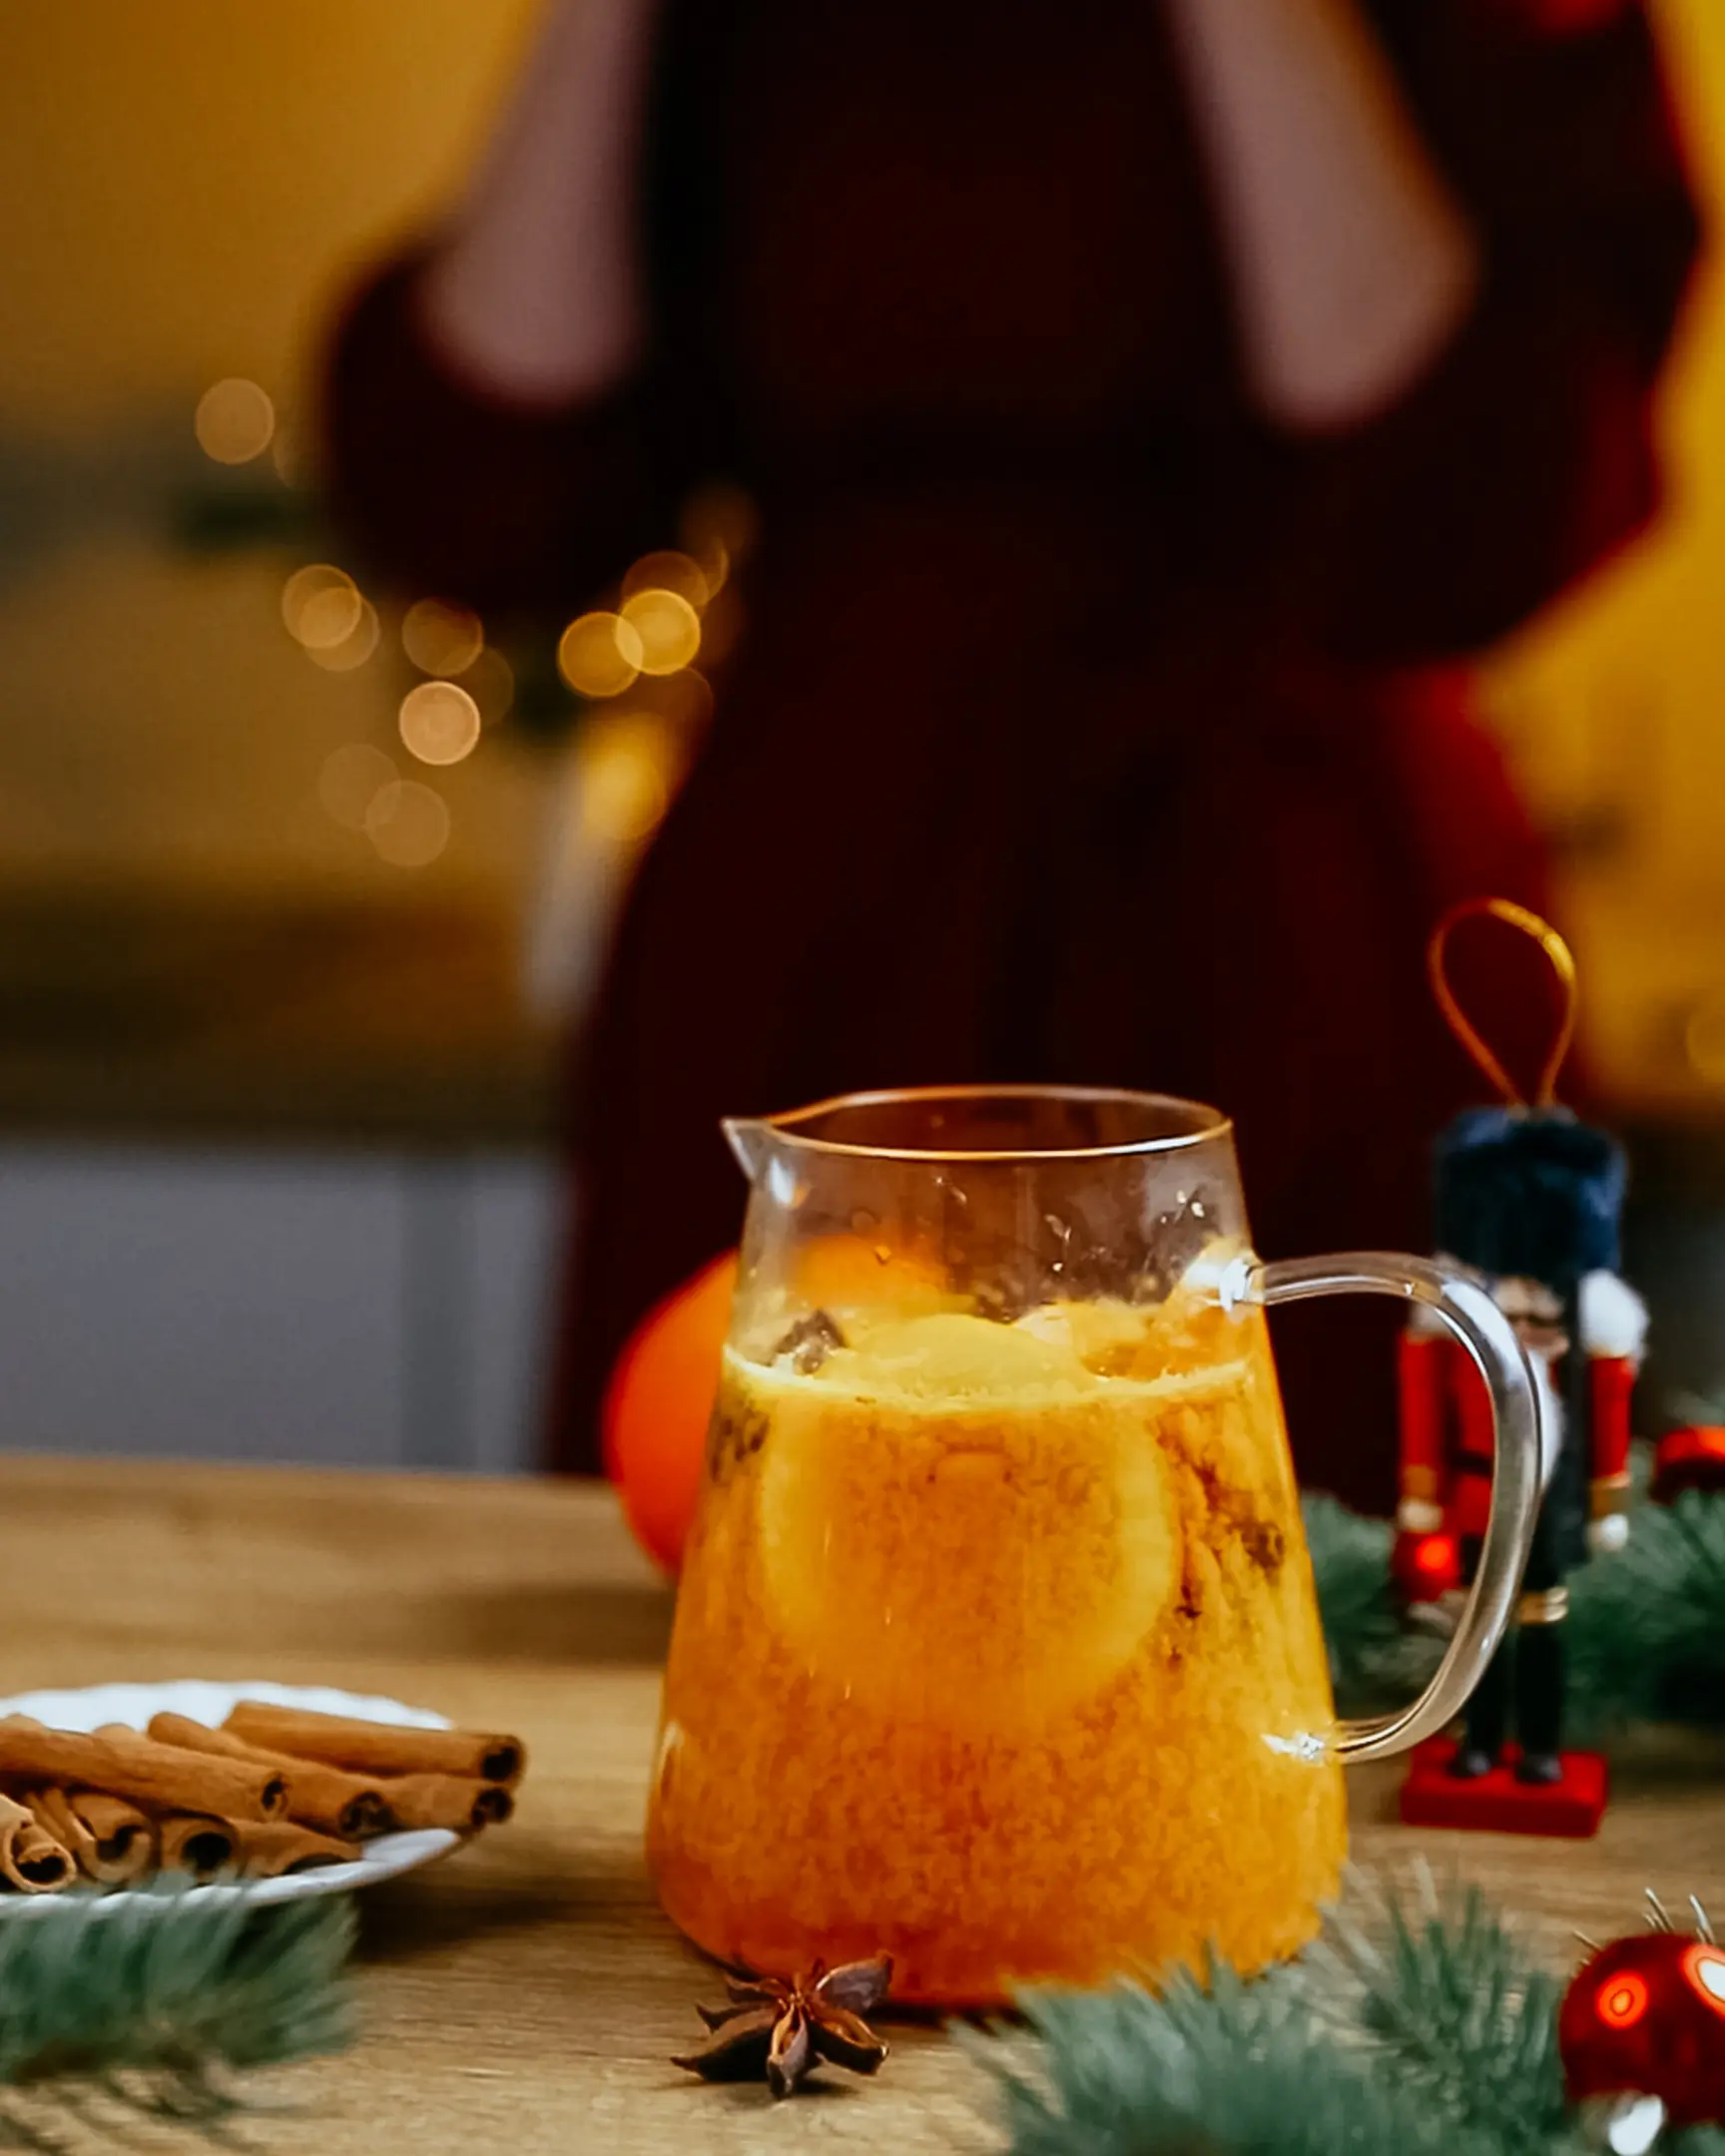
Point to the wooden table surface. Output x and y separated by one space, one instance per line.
526 1993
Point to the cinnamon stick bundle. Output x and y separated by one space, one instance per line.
111 1841
456 1802
347 1806
279 1847
30 1859
377 1748
119 1762
194 1841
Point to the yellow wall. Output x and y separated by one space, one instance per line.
1612 704
183 179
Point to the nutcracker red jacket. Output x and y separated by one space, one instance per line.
1081 727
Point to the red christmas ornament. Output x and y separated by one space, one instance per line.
1645 2017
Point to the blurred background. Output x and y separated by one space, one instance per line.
301 884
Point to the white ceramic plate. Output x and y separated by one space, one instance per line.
211 1703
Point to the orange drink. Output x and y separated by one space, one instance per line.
1032 1609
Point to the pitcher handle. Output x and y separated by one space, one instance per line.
1486 1332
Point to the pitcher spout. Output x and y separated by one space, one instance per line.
750 1140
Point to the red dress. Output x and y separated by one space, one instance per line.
1075 732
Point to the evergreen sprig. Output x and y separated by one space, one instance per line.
1401 2035
147 2007
1646 1627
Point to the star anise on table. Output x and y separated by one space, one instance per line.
787 2030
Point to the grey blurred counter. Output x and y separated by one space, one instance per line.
277 1182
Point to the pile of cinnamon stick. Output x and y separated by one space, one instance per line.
275 1790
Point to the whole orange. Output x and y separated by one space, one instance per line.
657 1405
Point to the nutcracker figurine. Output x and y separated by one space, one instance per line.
1530 1200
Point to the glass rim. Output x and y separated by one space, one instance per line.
1199 1124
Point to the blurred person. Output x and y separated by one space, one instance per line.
1148 402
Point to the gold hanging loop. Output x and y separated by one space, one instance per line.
1562 963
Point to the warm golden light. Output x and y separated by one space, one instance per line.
234 422
667 627
441 639
1704 1041
322 605
625 770
600 655
440 722
350 781
668 570
408 823
354 648
490 682
684 699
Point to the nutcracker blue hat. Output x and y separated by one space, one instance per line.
1529 1193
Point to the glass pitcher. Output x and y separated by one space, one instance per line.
997 1646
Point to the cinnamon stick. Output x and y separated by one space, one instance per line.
349 1807
111 1841
377 1748
194 1841
278 1847
456 1802
123 1764
30 1859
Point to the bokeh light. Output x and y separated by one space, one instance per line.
440 722
667 627
408 823
683 700
441 639
322 605
234 422
670 571
350 781
600 655
627 766
354 648
490 682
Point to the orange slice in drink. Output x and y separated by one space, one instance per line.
961 1527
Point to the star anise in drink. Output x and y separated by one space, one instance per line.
787 2030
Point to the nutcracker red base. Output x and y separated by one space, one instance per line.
1497 1803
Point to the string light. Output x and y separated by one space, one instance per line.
668 570
440 722
234 422
320 606
666 628
441 639
408 823
600 655
354 648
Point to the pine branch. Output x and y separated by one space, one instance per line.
1375 1660
1646 1629
1402 2034
126 2008
1647 1624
